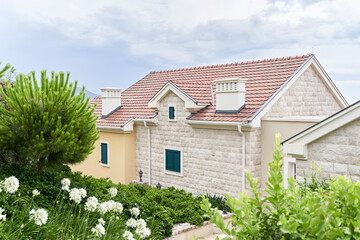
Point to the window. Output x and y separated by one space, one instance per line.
289 169
172 113
173 161
104 154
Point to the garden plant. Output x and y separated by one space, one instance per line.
48 124
315 210
67 205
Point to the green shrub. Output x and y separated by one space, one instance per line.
159 208
47 124
216 201
315 210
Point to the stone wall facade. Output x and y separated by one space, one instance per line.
308 96
337 153
212 158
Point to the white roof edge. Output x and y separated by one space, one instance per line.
326 126
295 75
327 80
222 123
339 97
161 92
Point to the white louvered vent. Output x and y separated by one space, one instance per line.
111 99
230 94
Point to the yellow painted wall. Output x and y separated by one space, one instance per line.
269 128
121 158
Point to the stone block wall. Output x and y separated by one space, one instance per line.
338 153
212 158
308 96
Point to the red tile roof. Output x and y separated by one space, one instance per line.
264 78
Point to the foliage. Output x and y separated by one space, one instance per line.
216 201
315 182
47 124
307 212
4 70
159 208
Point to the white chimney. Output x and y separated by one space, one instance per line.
111 99
230 94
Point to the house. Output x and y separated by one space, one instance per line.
333 144
199 128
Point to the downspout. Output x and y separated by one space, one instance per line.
243 158
149 153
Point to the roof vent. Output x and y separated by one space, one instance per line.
111 100
230 94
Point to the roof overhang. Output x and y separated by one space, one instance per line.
191 104
219 124
310 62
297 145
128 127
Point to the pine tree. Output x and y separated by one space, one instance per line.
47 124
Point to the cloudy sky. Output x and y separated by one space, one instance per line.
115 43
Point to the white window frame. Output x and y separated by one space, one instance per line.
180 174
108 154
172 105
289 164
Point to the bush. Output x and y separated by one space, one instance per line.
159 208
216 201
309 212
47 124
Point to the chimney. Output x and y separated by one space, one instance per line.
230 94
111 99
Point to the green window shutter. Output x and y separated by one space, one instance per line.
171 112
173 160
104 153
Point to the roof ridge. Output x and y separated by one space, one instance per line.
191 82
235 63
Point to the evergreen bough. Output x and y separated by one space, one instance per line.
48 124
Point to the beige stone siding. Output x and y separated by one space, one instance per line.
308 96
253 154
211 157
338 153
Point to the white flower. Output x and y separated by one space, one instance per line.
128 235
113 192
98 230
2 216
104 207
140 223
118 207
143 232
131 223
35 192
101 221
11 184
75 195
65 182
82 192
40 216
135 212
91 204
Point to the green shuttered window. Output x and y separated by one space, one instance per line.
171 112
173 160
104 153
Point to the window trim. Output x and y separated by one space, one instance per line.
108 156
289 163
179 174
174 106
